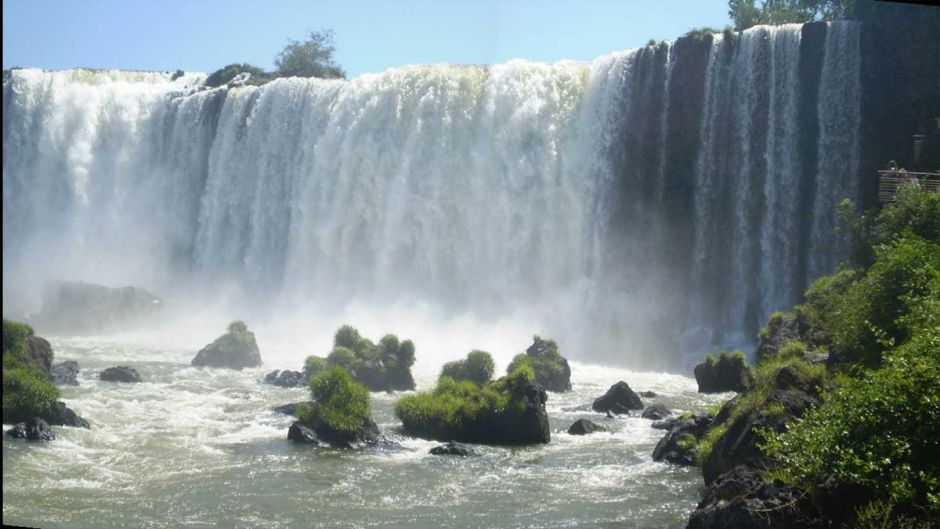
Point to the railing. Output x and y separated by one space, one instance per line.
889 180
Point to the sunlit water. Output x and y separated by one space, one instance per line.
201 448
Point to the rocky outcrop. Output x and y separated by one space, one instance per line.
680 445
291 409
656 412
648 394
286 379
453 448
65 373
84 308
743 499
618 399
782 328
739 445
236 349
551 369
61 415
35 429
665 424
584 427
730 372
317 432
124 374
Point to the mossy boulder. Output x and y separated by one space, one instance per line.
340 415
28 392
19 340
478 368
618 399
385 366
729 372
550 368
236 349
508 411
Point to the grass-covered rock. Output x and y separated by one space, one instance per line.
478 368
340 415
729 372
510 411
550 368
236 349
385 366
19 340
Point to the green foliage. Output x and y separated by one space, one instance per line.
549 366
312 57
792 349
26 390
227 73
914 211
341 403
701 33
686 442
879 430
747 13
371 363
15 335
314 365
477 368
343 357
455 405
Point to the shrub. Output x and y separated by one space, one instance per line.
879 431
15 335
26 389
340 402
312 57
315 365
380 367
477 368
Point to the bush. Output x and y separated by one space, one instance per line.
314 365
340 402
879 431
312 57
26 389
460 409
15 336
477 368
380 367
550 368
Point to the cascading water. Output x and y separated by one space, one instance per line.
621 202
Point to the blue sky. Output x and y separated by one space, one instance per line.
371 35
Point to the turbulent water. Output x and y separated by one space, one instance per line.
655 201
192 447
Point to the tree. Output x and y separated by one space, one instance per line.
312 57
747 13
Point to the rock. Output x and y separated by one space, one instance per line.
743 499
656 412
84 308
237 349
65 373
730 372
618 394
60 415
300 433
739 445
584 427
648 394
285 379
290 409
680 444
318 432
453 448
619 409
177 74
610 415
782 327
34 430
665 424
120 374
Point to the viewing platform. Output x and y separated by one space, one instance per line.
889 180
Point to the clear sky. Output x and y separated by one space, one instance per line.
371 35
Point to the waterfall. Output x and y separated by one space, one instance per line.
648 202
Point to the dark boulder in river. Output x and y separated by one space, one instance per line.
584 427
316 431
453 448
65 373
120 374
286 379
84 308
61 415
656 412
729 372
618 394
290 409
236 349
35 429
